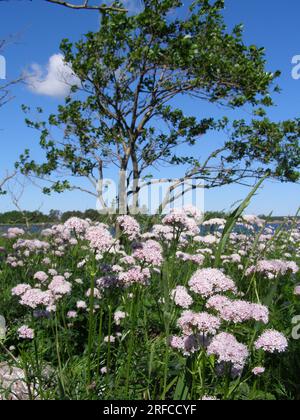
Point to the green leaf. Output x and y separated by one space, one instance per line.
232 220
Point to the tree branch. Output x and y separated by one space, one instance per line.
6 179
87 6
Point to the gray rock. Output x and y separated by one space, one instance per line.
12 383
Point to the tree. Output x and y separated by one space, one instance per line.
55 215
126 110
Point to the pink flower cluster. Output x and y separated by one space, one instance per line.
273 268
129 226
100 238
20 289
228 350
208 239
36 297
77 225
118 316
13 233
160 232
191 322
272 341
149 253
251 219
59 286
31 245
216 221
202 329
46 293
26 333
182 221
238 311
181 297
297 291
258 371
187 344
197 259
14 262
41 276
135 275
194 212
233 258
209 281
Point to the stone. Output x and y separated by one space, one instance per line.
12 383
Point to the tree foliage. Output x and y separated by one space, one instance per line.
126 111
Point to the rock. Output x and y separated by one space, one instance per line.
12 383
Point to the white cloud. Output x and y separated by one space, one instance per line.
133 6
55 79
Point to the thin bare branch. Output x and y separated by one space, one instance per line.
6 179
87 6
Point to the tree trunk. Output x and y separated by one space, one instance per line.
122 193
135 184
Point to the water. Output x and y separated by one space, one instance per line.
33 229
37 228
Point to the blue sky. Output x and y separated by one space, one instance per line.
38 28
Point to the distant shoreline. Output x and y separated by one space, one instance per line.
5 225
278 221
